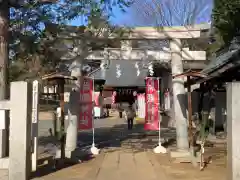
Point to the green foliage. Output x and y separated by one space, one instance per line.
30 42
226 19
14 72
215 46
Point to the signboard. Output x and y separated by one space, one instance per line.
86 104
124 91
97 112
35 104
152 104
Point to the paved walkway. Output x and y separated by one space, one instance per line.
128 155
115 165
129 164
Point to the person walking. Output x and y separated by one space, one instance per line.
130 115
120 110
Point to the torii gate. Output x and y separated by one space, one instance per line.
175 54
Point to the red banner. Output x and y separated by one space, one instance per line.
152 104
86 104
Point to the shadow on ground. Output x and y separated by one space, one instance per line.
106 139
119 136
54 165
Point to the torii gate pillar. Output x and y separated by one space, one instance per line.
179 108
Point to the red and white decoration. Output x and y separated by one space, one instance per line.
96 98
86 107
152 116
98 106
141 105
167 105
114 94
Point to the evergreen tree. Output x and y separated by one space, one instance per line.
226 19
29 41
25 20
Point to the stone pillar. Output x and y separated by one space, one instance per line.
73 109
3 135
233 126
20 131
72 125
179 96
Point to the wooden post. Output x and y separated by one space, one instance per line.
190 136
61 83
35 109
190 129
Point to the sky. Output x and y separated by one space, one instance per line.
134 17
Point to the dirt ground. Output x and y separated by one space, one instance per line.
216 169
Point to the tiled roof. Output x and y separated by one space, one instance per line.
221 61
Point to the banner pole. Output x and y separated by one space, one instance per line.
94 149
159 148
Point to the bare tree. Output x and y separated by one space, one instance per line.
172 12
160 13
